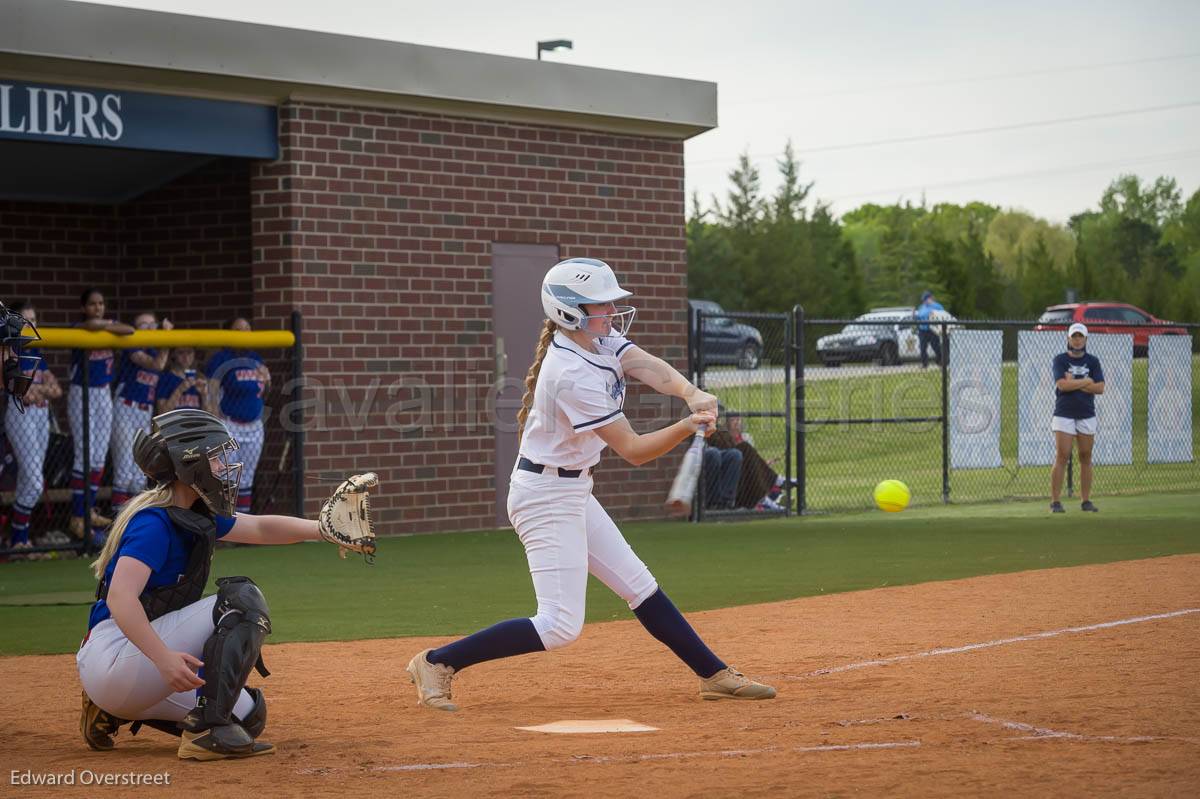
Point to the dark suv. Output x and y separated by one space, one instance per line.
1110 317
725 341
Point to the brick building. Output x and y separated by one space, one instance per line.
404 199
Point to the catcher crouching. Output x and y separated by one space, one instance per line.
158 653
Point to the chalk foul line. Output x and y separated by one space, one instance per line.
955 650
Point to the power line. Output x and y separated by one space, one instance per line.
1066 170
1041 123
967 80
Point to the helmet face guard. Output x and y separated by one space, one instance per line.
620 321
214 476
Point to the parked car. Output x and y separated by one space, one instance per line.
1101 316
885 335
725 340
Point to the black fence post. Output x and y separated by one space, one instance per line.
297 418
945 359
699 500
788 360
87 545
801 470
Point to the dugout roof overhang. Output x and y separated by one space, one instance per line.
61 45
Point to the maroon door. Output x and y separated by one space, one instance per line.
517 272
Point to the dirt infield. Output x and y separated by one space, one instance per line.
1084 682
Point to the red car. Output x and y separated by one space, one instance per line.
1110 317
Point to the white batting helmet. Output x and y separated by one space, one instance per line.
582 281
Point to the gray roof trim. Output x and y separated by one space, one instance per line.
102 45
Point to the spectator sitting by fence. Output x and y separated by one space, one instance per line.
758 486
722 470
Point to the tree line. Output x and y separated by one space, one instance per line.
759 252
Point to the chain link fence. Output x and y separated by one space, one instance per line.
961 411
744 359
45 511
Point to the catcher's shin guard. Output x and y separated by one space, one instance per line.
98 726
243 623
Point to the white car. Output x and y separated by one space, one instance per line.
885 335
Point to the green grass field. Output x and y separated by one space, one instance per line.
846 461
453 584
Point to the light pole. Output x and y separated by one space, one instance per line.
551 45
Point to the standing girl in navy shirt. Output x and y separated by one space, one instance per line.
1078 379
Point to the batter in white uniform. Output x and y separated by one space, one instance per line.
572 411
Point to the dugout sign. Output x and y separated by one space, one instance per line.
136 120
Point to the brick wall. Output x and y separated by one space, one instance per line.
378 226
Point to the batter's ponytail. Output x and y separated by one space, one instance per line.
532 375
160 497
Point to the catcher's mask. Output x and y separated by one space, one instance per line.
194 447
18 369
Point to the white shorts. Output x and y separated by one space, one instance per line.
1074 427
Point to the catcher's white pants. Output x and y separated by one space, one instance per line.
249 438
127 421
567 534
28 436
100 416
123 681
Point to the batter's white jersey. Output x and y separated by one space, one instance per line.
577 392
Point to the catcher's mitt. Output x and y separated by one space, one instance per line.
345 518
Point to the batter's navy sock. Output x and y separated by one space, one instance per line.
503 640
663 620
76 493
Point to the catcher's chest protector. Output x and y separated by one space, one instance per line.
167 598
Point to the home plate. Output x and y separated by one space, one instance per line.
583 726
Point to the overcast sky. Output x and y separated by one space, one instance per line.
833 74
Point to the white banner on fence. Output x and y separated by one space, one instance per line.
1114 408
1035 394
1169 416
975 369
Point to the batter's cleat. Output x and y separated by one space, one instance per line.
1056 507
98 520
222 742
1089 507
432 681
98 726
76 527
729 683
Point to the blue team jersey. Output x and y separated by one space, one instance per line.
137 383
1076 404
39 373
99 365
241 387
151 538
169 381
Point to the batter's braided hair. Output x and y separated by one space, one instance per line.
531 376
